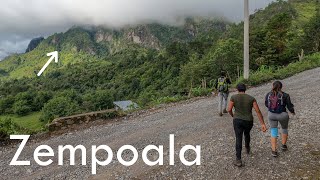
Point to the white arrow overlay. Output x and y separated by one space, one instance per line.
54 55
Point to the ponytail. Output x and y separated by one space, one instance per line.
277 86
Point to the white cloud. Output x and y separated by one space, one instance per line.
15 44
3 54
35 18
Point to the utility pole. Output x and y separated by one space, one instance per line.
246 40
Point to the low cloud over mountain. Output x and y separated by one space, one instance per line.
22 20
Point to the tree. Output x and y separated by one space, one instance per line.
6 104
23 103
276 39
21 107
257 47
193 72
71 94
226 55
59 107
98 100
7 128
311 38
40 99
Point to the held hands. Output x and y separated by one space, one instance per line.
263 128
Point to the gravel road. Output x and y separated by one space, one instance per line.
194 123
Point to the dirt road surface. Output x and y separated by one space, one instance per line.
194 123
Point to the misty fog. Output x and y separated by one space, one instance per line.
21 20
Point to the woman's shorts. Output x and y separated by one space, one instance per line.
282 118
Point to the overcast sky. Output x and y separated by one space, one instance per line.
22 20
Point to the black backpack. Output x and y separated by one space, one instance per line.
275 102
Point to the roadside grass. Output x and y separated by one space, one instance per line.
166 100
29 123
266 74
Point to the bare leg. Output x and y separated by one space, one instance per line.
284 138
274 144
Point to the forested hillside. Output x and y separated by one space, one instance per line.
88 44
153 62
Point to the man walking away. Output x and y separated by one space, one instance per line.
243 119
222 86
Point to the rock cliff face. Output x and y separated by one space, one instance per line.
139 35
154 35
34 43
102 36
143 36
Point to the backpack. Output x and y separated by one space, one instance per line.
222 84
275 103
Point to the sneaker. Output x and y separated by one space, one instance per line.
220 114
238 163
284 147
225 111
274 153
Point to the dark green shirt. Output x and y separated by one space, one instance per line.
243 104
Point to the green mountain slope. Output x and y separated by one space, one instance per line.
96 43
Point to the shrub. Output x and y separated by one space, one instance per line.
200 91
146 98
21 107
6 105
71 94
7 128
25 96
98 100
265 74
41 98
59 107
111 115
168 99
